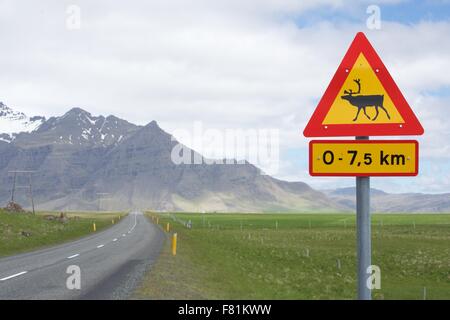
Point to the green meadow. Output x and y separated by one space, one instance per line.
22 232
298 256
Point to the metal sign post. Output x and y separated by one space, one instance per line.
374 106
363 234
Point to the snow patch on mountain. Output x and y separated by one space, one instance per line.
13 122
79 127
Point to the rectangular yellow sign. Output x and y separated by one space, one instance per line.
363 157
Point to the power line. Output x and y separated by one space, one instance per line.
101 197
30 185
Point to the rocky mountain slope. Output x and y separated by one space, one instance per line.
85 162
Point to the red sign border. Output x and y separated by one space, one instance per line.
411 125
350 174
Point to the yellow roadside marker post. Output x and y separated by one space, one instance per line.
94 228
157 220
168 227
112 221
174 244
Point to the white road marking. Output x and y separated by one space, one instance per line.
100 246
135 222
115 239
73 256
123 235
14 275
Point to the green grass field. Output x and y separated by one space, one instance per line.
41 232
297 256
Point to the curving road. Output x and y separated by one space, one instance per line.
111 262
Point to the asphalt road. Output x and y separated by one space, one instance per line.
111 263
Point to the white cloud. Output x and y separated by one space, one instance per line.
229 64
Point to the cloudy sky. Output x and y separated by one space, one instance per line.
234 64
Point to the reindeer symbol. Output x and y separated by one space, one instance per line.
362 101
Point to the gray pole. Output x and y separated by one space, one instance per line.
31 195
14 187
100 195
364 247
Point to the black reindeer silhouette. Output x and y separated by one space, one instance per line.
362 101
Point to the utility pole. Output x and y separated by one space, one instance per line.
29 187
72 197
100 195
14 187
31 194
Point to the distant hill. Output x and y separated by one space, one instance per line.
386 202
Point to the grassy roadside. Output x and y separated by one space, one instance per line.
22 232
177 277
304 256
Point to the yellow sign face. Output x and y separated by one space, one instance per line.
362 99
363 158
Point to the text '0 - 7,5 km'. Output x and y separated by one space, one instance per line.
363 158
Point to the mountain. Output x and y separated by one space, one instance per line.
387 202
86 162
13 122
78 128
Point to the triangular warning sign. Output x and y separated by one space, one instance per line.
362 99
